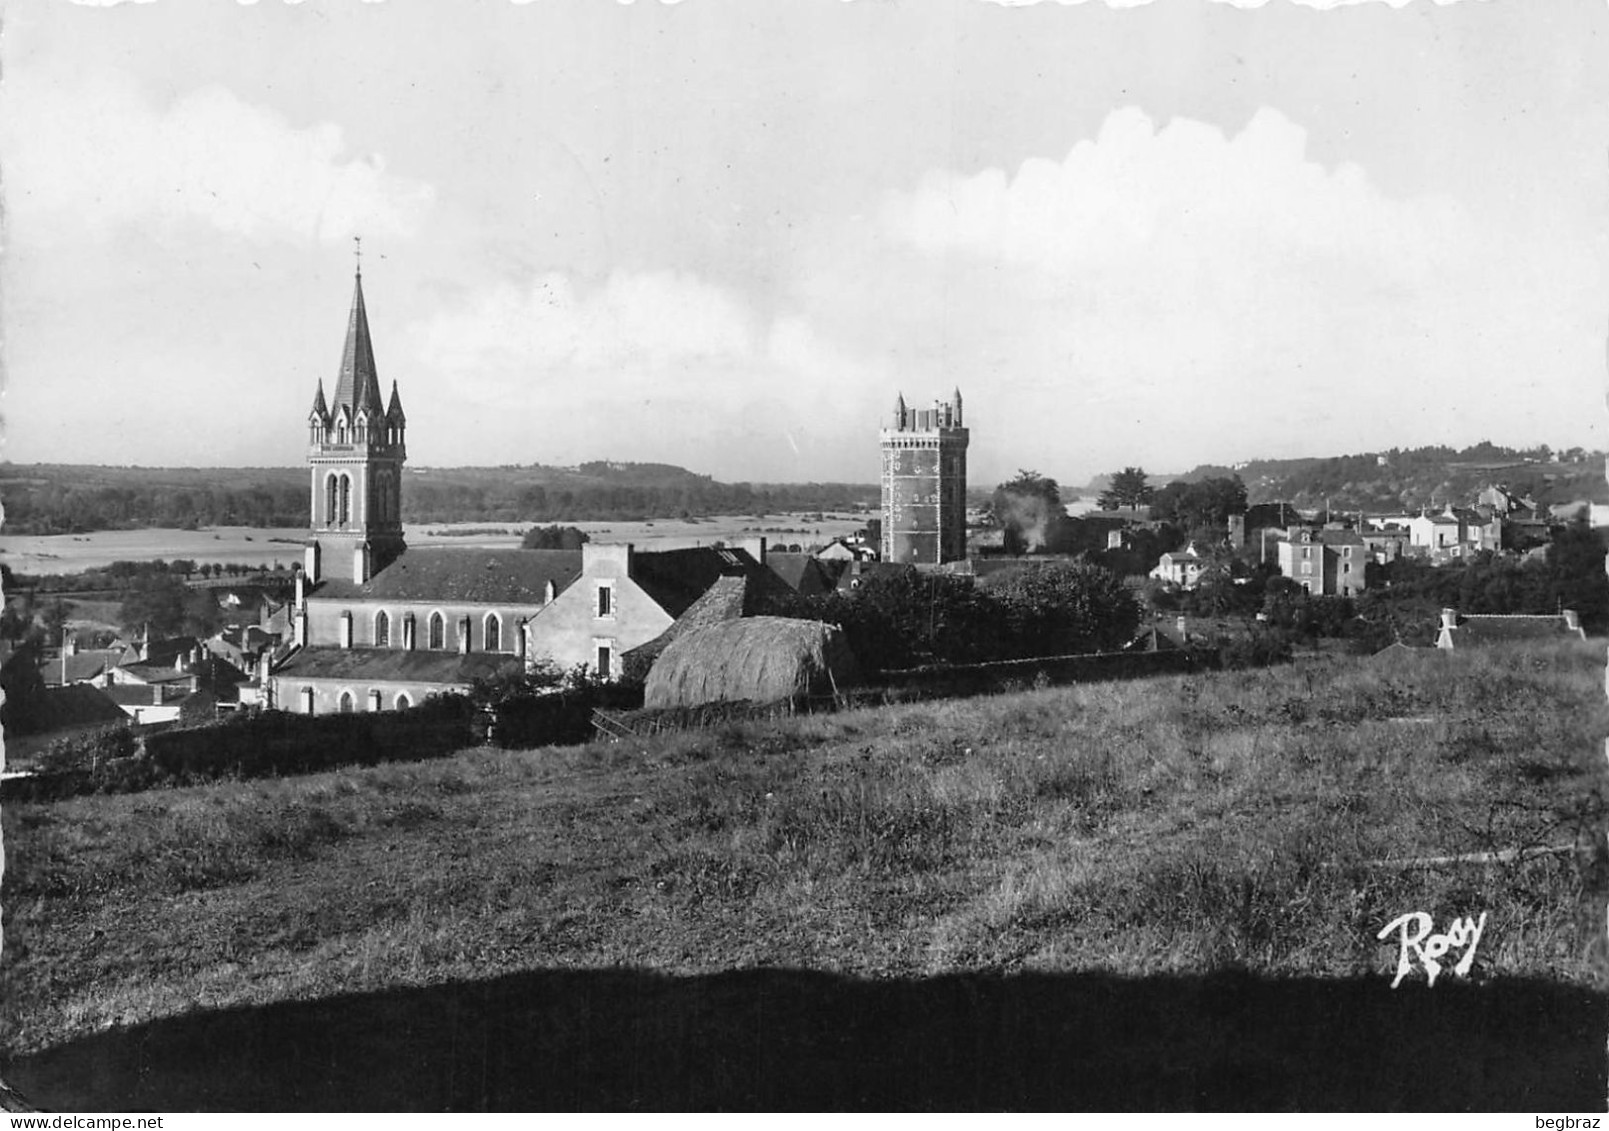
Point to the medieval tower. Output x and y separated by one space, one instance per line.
355 456
925 484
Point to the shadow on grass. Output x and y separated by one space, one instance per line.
781 1039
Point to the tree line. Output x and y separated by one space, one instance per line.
70 500
907 618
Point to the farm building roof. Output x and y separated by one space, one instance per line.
82 667
1492 628
677 579
728 599
80 704
477 577
395 665
807 575
147 674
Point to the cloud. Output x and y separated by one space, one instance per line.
91 153
1184 194
645 365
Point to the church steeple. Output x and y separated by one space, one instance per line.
356 452
358 386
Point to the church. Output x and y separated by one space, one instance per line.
377 626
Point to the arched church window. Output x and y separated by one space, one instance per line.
382 630
494 633
438 631
346 702
403 702
346 500
329 500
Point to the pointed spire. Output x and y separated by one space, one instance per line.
359 384
393 412
320 408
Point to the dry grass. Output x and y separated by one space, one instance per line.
1190 824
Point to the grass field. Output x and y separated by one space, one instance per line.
940 904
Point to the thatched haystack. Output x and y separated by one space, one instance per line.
759 659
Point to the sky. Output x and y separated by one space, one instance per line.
725 234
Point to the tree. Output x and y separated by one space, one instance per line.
1204 507
1127 489
1028 509
54 618
554 538
169 607
1065 607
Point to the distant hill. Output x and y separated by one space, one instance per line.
68 498
1410 478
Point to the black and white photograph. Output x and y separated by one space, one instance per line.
804 555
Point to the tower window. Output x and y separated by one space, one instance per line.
330 500
346 500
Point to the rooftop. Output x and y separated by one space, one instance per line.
395 665
476 577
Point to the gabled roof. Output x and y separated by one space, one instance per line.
154 673
358 385
84 666
80 705
676 579
805 574
731 597
474 577
1340 538
1152 639
395 665
169 650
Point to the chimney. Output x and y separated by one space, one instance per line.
301 589
70 643
299 627
311 556
360 564
756 548
1572 619
1449 619
549 591
156 694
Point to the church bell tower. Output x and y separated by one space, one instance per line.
355 454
